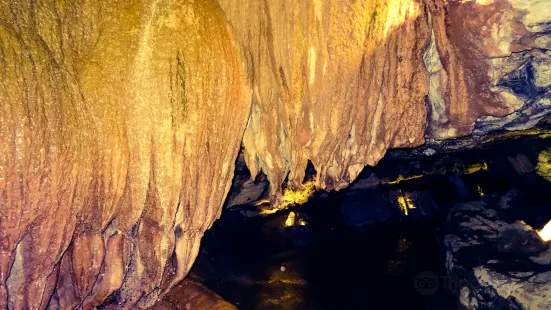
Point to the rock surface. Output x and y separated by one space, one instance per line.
501 263
109 168
120 122
192 295
339 83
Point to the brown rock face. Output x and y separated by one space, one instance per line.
192 295
120 121
338 83
334 82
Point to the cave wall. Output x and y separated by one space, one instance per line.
339 83
120 121
334 82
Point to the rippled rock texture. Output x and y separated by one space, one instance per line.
120 121
339 83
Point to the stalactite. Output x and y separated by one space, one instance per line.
339 83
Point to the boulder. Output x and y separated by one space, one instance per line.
501 263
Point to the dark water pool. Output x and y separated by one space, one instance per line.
261 264
357 250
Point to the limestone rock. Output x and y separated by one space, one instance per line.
333 82
338 83
192 295
501 264
109 168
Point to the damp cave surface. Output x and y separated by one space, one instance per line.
356 249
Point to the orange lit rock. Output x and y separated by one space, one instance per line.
339 83
119 126
192 295
334 82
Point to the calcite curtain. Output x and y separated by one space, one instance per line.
120 121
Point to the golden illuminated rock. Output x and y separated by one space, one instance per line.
120 121
192 295
339 83
545 232
334 82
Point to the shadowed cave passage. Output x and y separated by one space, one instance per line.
357 248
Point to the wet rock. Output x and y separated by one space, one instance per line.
544 164
502 263
470 65
109 168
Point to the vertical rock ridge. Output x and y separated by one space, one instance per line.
335 83
107 122
339 83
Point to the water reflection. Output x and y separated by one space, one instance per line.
363 247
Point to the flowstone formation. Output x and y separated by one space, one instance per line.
340 83
120 121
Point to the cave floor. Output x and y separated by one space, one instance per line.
357 249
